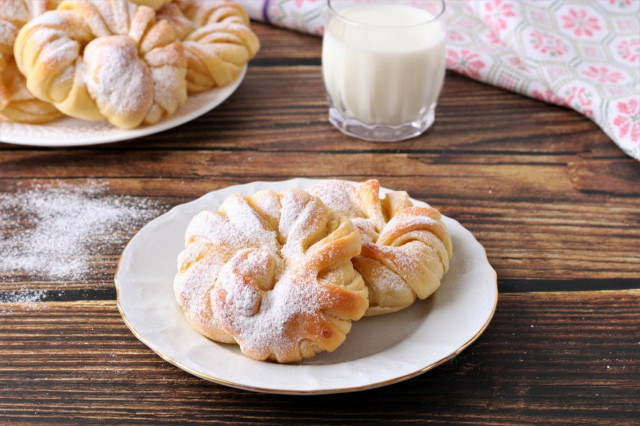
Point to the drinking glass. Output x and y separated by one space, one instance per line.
383 64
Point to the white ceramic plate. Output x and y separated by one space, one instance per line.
378 350
67 132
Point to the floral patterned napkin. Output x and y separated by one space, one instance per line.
581 54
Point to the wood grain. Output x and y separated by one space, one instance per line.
77 361
553 200
284 108
614 177
495 176
552 233
284 45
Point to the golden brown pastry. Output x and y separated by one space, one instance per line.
217 39
104 59
273 273
405 249
16 102
153 4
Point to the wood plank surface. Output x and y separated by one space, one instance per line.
524 223
284 108
285 45
77 361
554 238
555 203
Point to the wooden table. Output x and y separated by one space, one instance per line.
552 199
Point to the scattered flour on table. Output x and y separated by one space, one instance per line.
32 298
53 232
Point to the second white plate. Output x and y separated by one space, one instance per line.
66 132
378 350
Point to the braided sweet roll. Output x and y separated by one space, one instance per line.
217 39
16 102
405 249
153 4
104 59
273 273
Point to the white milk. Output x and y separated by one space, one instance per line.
390 73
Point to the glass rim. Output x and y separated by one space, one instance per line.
388 27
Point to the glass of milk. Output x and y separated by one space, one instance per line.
383 63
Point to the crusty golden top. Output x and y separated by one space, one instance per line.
405 249
273 273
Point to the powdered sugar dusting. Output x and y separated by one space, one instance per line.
241 296
261 292
30 300
8 34
55 47
385 280
239 227
119 81
342 198
14 12
215 228
339 196
399 241
403 223
261 322
301 216
402 256
192 289
49 19
247 222
268 202
368 233
414 221
66 226
38 7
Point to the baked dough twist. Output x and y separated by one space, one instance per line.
16 102
273 273
405 249
153 4
104 59
217 40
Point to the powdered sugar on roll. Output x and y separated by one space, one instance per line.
273 273
16 102
405 249
118 81
104 60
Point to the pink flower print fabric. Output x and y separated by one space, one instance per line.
578 54
581 23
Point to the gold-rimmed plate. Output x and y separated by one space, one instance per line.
378 350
